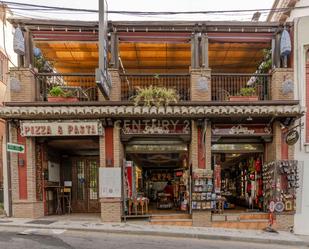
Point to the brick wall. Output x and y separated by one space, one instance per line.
27 209
111 208
284 222
273 149
201 218
26 92
196 93
115 94
193 156
279 76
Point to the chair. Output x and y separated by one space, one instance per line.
67 199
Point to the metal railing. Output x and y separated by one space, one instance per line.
131 82
80 85
225 85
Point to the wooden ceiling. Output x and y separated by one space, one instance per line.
138 57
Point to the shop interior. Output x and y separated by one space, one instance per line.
239 175
157 182
70 170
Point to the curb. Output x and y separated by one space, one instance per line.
168 234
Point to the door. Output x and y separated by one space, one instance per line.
85 189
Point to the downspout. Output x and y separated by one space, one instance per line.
8 156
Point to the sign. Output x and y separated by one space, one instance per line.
292 137
110 182
19 42
60 128
103 81
257 130
156 126
17 148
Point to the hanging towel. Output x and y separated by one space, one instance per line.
285 43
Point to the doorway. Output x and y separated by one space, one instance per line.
85 185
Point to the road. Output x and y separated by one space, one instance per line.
16 238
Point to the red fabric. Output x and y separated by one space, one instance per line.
169 190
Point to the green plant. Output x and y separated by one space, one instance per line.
155 96
58 91
247 91
43 65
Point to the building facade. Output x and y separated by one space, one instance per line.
299 15
219 147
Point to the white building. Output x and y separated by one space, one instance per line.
300 16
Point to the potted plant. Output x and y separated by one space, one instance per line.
155 96
58 94
246 94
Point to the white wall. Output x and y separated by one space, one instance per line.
301 44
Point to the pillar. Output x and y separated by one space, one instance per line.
282 84
24 87
274 149
200 84
23 179
200 158
111 155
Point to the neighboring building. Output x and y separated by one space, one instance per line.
120 160
300 16
7 59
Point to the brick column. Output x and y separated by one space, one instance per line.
200 87
111 208
27 207
280 90
116 85
273 149
25 88
200 218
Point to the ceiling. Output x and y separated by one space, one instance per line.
143 57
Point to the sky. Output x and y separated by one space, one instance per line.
148 5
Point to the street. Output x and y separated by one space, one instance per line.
13 238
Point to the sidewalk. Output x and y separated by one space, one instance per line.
94 224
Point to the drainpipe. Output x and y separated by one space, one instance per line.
8 166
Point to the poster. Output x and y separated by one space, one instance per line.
110 182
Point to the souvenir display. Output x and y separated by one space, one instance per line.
280 181
203 196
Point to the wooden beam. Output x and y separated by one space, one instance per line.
205 49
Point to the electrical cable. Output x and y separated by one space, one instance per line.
152 13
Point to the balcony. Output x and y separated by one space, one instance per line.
131 82
224 86
82 86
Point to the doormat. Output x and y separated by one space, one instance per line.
41 222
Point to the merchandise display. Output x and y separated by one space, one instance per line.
280 181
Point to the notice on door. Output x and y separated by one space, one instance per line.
110 182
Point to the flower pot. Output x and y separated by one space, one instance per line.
243 98
62 99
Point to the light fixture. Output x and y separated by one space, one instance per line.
249 118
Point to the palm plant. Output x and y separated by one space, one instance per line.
155 96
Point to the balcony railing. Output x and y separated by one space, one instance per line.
223 86
81 85
131 82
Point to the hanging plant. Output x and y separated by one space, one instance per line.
155 96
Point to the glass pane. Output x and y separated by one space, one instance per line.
93 180
80 180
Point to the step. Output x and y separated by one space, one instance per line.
257 216
172 222
170 216
254 224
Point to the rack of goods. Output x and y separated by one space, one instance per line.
203 196
280 182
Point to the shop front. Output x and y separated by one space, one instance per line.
66 164
156 167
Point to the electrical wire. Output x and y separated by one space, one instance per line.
149 13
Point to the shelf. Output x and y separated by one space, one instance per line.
204 200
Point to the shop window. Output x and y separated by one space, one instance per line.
93 180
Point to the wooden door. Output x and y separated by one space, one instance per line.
85 189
